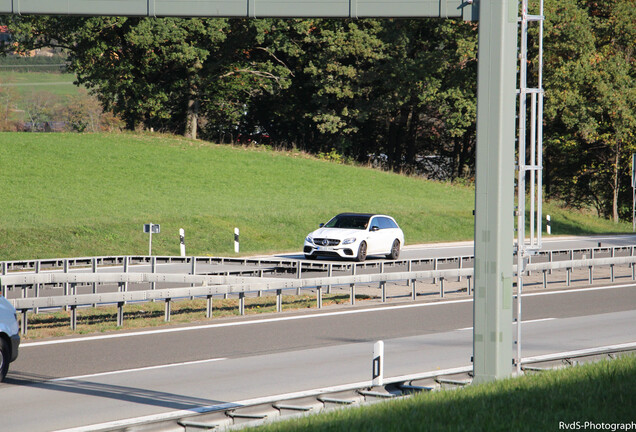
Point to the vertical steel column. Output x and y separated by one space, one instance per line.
208 307
494 195
120 314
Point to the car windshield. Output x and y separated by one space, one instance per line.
349 222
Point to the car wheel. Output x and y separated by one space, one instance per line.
4 359
395 250
362 252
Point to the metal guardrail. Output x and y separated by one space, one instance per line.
94 263
211 285
225 287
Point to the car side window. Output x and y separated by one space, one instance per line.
375 222
386 223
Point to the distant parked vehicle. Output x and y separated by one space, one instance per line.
9 336
255 139
356 235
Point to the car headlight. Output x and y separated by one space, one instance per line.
309 240
349 241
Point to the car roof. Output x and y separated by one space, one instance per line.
361 214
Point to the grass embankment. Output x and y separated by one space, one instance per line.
28 83
89 194
601 394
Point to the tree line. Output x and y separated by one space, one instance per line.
398 93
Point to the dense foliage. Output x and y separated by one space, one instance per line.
397 93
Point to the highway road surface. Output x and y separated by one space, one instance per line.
84 381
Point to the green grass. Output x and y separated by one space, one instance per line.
600 393
27 83
90 194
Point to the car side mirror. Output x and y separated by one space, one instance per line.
321 225
375 228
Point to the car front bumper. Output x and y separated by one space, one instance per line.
343 251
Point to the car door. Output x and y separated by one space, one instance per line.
374 237
390 232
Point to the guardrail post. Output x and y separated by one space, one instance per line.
545 279
126 264
168 309
94 270
120 314
24 322
94 284
413 289
279 300
242 303
299 275
352 287
319 297
381 272
435 268
36 287
208 307
153 270
193 270
73 317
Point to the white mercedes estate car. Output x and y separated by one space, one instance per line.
356 235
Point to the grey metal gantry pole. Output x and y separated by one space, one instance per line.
494 195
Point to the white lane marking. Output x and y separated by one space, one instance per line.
171 415
123 371
298 317
522 322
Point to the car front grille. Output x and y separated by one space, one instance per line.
326 242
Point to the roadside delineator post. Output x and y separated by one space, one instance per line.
377 365
182 241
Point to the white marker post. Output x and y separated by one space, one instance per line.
548 227
236 240
378 364
182 241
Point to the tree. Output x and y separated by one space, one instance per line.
157 73
590 101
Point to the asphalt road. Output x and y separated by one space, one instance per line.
67 383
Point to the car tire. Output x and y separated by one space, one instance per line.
4 358
362 252
395 250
